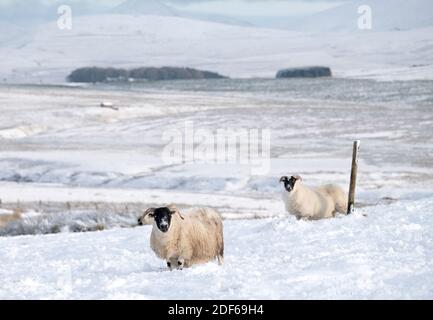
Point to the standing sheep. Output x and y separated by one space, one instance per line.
184 240
313 203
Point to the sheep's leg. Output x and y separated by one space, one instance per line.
220 259
169 265
172 262
177 262
180 263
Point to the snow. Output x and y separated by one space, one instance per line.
5 212
383 252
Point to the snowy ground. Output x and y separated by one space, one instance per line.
379 253
70 165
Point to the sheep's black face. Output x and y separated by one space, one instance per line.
289 184
162 218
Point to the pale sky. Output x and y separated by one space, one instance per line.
225 7
255 7
253 11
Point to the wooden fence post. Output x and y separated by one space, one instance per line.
354 171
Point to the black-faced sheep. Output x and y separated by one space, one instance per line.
185 239
313 203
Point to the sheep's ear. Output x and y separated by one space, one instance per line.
297 177
148 211
173 209
176 210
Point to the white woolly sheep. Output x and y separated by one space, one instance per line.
313 203
185 240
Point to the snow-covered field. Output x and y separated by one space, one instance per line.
382 252
70 166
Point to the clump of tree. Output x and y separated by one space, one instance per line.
304 72
96 74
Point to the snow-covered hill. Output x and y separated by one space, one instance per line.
10 33
387 15
149 33
148 7
384 252
49 54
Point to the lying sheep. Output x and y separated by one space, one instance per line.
313 203
184 240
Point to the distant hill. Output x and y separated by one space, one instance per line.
147 7
387 15
156 7
48 54
10 32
